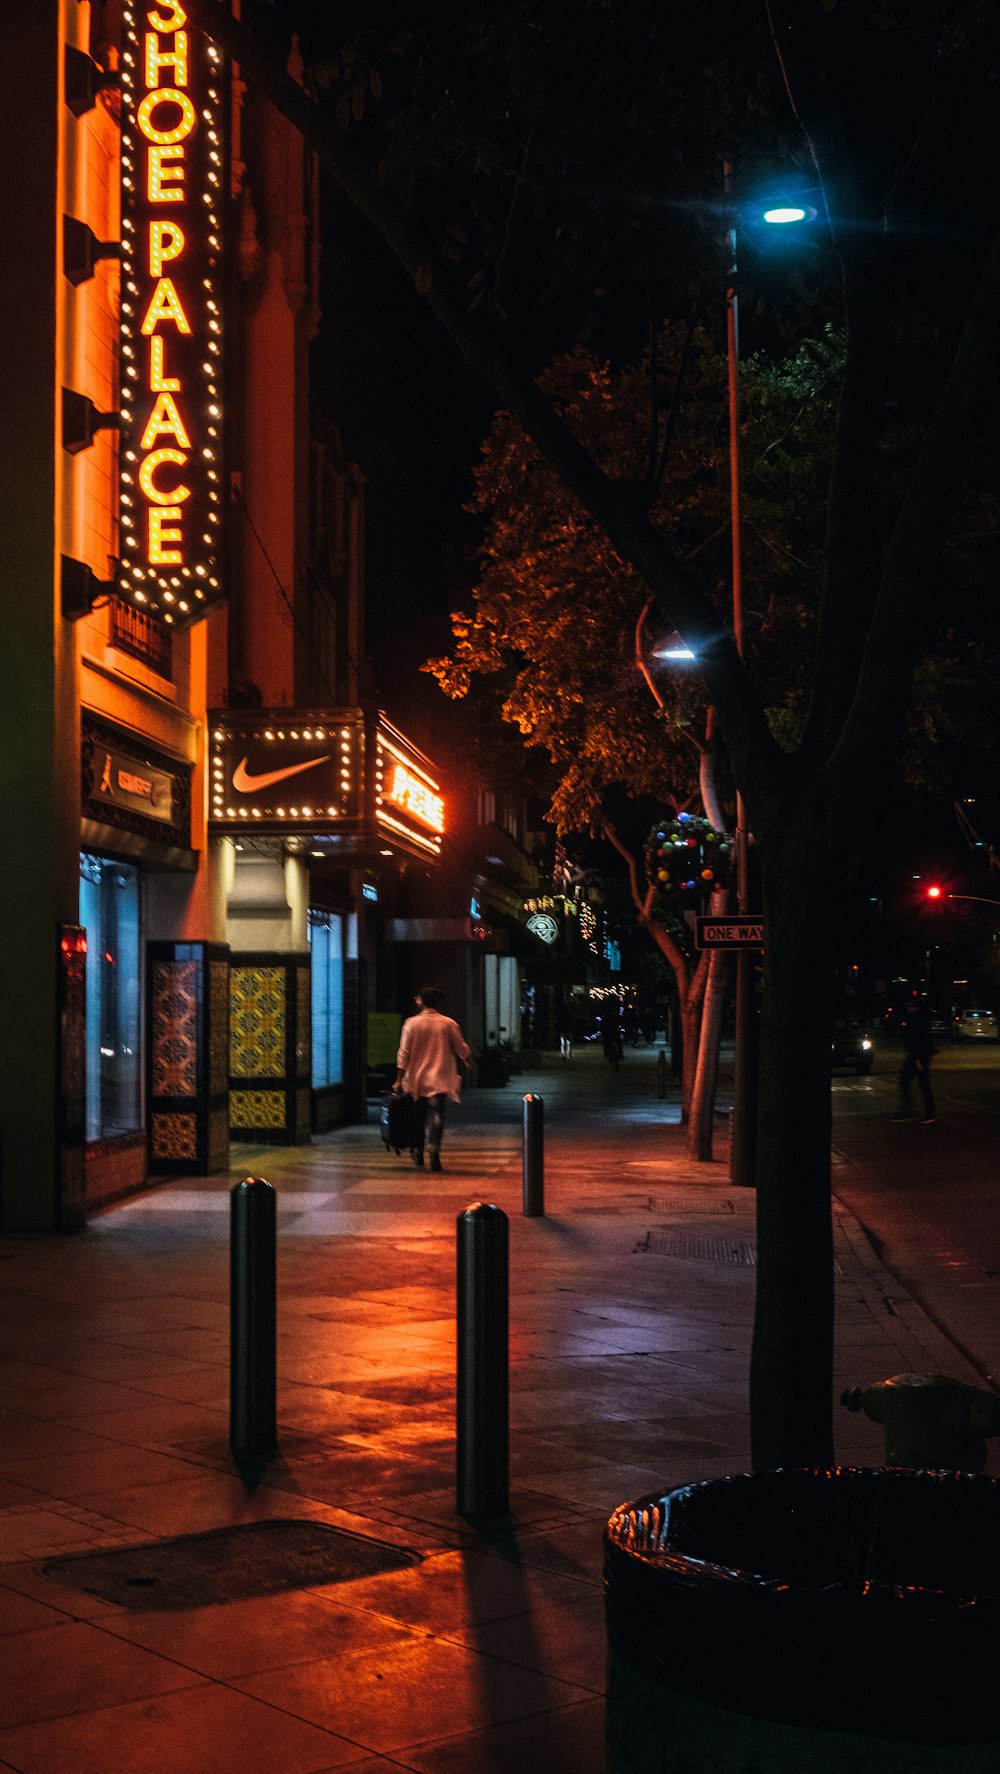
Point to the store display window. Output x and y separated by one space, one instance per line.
109 912
326 943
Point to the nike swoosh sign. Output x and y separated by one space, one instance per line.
245 784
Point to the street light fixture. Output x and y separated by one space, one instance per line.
674 649
783 214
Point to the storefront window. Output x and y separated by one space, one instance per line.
109 911
326 941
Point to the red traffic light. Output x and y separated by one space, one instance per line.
934 892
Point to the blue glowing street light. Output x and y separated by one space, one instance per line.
784 214
675 649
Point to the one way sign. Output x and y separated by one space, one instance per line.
729 933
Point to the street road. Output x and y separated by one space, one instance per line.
929 1197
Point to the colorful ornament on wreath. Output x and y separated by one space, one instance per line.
687 861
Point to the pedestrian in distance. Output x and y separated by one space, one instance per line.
611 1037
433 1054
920 1050
564 1029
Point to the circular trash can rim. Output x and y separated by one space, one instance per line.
638 1530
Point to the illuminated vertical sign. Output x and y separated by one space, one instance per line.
415 796
408 802
171 314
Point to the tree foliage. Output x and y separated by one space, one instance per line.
556 608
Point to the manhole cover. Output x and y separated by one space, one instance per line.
229 1565
661 1241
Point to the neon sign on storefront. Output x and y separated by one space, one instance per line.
171 329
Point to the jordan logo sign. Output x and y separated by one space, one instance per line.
171 317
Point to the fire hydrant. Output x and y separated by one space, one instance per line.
930 1420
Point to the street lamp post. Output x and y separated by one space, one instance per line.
742 1155
743 1150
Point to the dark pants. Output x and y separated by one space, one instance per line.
920 1069
430 1122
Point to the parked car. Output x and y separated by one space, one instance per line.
851 1046
975 1025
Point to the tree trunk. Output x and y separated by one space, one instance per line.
702 1118
692 1000
791 1380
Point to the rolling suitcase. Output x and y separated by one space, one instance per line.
396 1121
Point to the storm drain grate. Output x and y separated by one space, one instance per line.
661 1241
232 1564
703 1200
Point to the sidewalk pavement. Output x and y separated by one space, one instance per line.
630 1313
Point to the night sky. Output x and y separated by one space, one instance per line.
412 416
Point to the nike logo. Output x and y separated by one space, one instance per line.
244 783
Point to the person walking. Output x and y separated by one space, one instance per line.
611 1036
564 1029
432 1049
920 1050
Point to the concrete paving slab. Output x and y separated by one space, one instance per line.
628 1374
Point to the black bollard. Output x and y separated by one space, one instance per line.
252 1317
533 1189
481 1463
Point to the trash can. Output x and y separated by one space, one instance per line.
809 1619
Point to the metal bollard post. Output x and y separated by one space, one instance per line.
533 1188
252 1317
481 1444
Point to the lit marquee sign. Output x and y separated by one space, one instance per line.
416 796
345 773
171 326
289 774
408 801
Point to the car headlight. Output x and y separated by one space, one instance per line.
865 1045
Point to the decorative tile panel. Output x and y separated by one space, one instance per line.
174 1136
175 1028
187 1003
257 1108
257 1007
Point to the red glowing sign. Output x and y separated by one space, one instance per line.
410 793
171 315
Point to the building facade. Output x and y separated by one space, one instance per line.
197 787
